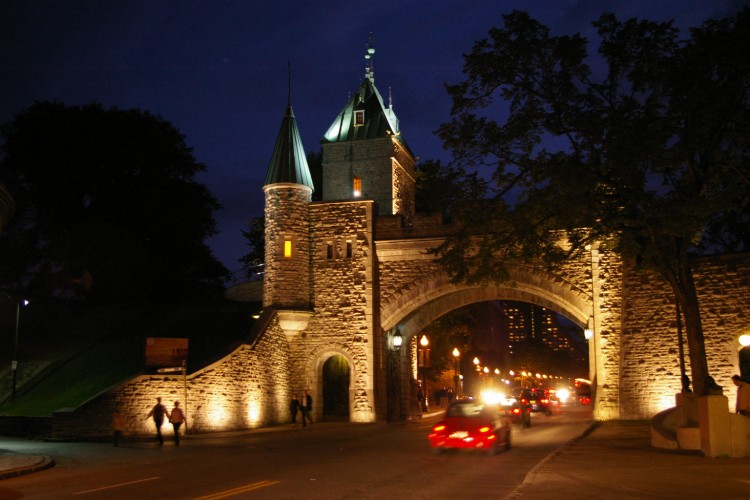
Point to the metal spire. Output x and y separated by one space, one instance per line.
369 68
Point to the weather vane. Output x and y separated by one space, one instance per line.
369 68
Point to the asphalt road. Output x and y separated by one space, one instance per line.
329 460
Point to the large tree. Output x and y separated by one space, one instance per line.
643 145
106 199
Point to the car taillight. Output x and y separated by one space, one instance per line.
545 401
484 429
516 411
438 428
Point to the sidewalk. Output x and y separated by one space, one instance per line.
14 464
615 460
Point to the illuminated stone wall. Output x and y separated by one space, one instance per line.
286 282
344 304
650 361
248 388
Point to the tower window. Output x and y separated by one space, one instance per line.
329 250
287 248
357 187
348 249
359 117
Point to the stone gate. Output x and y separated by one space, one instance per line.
343 274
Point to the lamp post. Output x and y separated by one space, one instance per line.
423 358
456 355
14 363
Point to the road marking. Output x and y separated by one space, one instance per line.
117 485
238 490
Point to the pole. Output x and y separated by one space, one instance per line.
14 364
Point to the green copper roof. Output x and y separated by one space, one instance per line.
379 120
289 163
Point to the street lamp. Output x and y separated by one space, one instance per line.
397 339
456 355
14 363
424 361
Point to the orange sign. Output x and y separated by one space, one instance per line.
166 352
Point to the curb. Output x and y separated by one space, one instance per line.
531 475
43 463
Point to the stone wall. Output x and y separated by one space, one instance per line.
650 373
345 305
248 388
286 282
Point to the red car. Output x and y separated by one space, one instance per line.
471 425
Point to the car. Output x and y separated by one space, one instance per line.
518 413
471 425
537 400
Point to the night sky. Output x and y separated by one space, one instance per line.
218 70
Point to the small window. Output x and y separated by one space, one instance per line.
359 117
348 249
357 187
329 250
288 248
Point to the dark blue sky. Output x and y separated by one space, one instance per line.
217 70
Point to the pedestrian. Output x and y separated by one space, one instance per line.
158 412
294 408
177 418
118 425
306 405
743 396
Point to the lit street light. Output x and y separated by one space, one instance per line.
423 362
456 354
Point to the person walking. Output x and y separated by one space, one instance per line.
306 405
157 413
743 396
294 408
177 418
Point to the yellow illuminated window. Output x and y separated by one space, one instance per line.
288 248
357 187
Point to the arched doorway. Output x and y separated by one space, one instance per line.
336 378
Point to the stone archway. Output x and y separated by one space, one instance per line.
575 298
336 381
315 374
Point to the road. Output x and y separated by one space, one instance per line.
329 460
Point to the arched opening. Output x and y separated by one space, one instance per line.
336 376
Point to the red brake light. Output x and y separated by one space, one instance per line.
516 410
484 429
438 428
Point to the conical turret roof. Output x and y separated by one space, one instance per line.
289 163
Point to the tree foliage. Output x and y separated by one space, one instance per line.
643 145
106 199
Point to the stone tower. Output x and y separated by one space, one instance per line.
288 190
364 154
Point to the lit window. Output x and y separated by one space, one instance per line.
359 117
357 187
288 248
